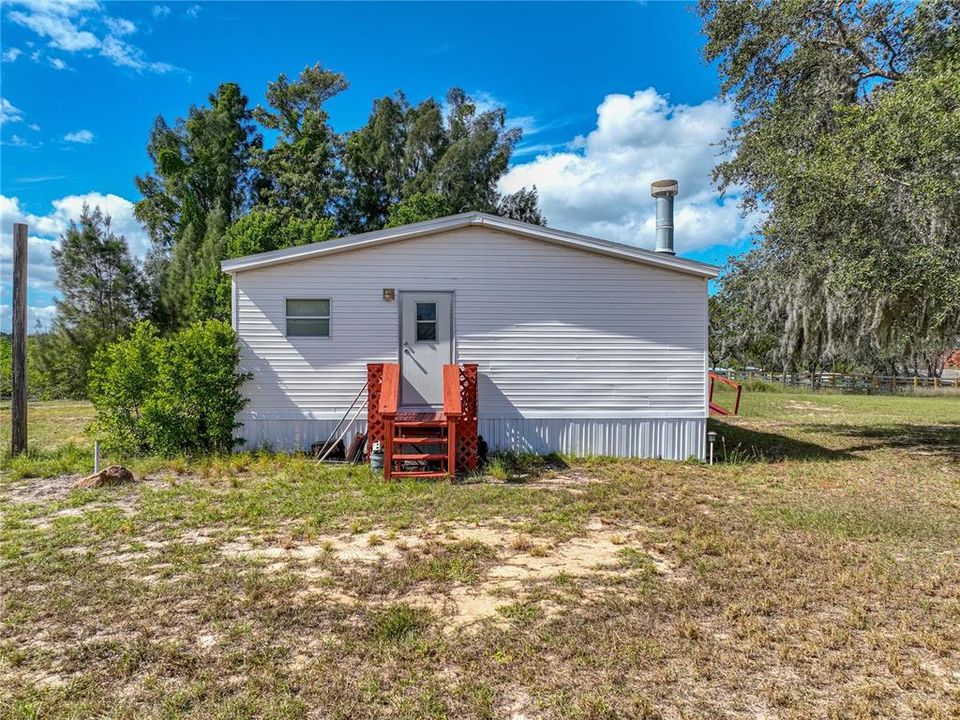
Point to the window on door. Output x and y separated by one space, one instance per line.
308 318
426 322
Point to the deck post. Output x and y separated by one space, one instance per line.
387 448
452 447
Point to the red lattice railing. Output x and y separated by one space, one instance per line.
467 438
464 425
375 424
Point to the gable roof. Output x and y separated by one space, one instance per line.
471 219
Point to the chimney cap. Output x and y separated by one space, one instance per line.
664 187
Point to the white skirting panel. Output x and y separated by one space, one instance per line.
670 439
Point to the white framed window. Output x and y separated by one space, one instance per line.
426 322
308 317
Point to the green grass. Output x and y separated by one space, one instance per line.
812 572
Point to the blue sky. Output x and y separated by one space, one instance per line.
610 97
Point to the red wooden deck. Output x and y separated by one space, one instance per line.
433 444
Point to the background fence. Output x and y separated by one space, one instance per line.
847 382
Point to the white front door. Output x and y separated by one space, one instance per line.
426 330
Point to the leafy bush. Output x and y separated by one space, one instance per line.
123 379
168 395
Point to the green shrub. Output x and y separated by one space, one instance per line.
168 395
123 378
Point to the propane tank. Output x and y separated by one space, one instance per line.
376 457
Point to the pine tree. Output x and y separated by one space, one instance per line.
202 182
102 293
300 172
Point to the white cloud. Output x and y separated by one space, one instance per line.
81 25
600 184
68 208
537 149
17 141
160 11
193 11
45 231
120 26
34 127
124 54
41 274
85 137
59 28
57 63
38 316
12 54
9 113
484 101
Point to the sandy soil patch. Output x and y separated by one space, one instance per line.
522 563
53 489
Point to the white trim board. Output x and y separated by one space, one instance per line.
474 219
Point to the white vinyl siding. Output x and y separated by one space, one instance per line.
557 333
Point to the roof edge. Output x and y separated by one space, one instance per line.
454 222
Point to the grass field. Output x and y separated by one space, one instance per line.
814 572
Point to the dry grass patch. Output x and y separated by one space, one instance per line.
815 574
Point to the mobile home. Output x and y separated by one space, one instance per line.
581 345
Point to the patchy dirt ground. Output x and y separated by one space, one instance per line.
813 574
515 561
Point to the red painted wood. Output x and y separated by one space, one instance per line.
419 423
468 439
420 440
420 457
717 408
451 391
390 390
451 447
375 432
421 474
434 416
453 431
388 449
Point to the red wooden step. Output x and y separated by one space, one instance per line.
420 423
420 473
420 440
420 457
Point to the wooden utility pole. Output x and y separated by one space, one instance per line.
18 400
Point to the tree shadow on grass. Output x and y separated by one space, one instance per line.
736 443
935 439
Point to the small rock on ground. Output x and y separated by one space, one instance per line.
109 476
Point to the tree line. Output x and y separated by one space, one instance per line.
216 191
848 137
